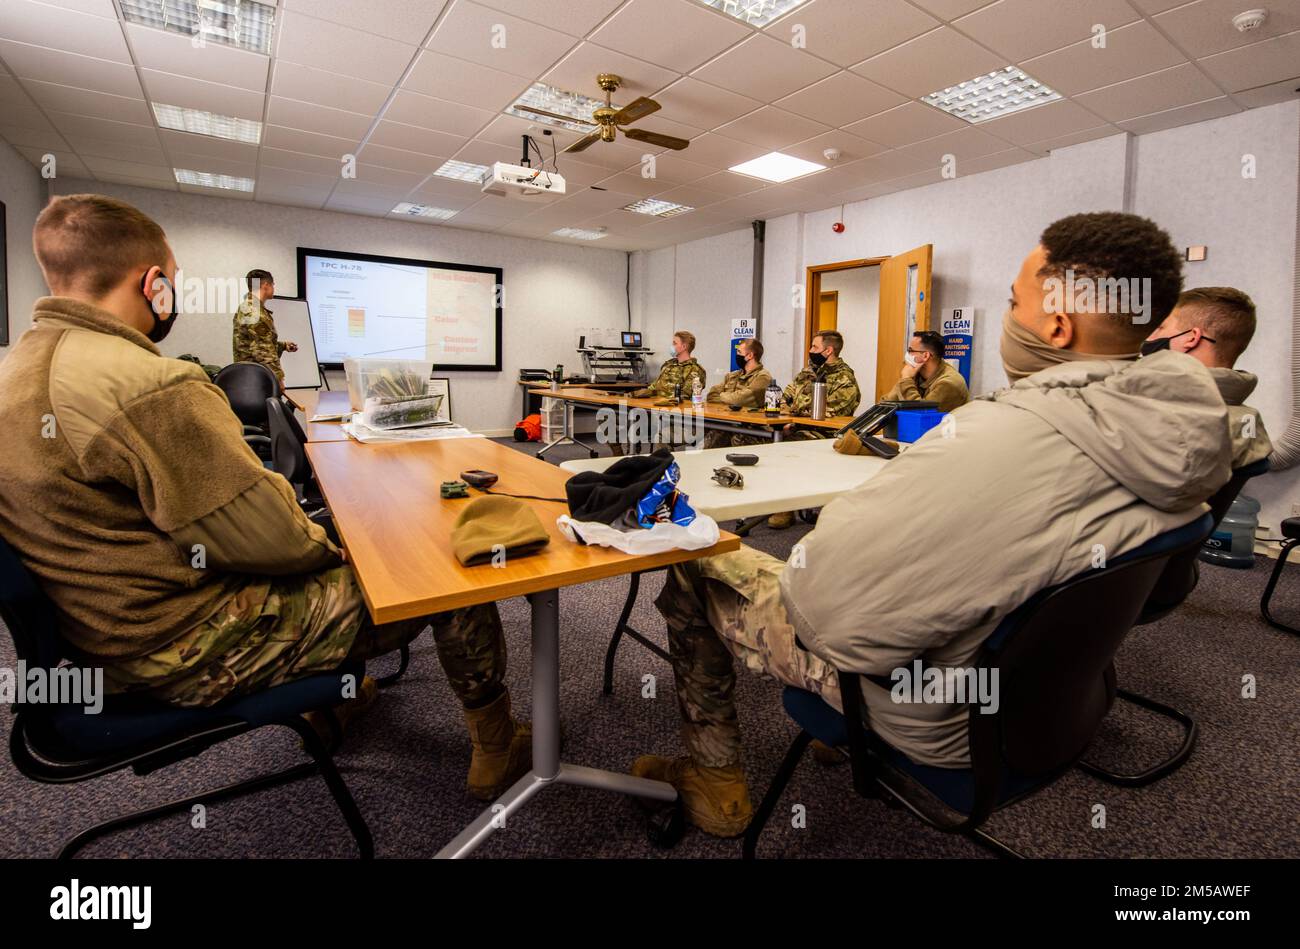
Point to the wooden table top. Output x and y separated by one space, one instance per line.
312 401
712 410
585 385
397 528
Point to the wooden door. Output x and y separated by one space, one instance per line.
828 311
904 310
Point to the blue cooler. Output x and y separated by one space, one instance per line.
914 423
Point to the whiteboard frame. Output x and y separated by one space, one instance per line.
320 378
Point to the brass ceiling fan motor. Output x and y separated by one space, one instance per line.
610 121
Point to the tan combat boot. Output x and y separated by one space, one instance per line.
502 749
716 800
779 522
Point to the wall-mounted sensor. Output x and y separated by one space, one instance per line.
832 154
1197 253
1250 20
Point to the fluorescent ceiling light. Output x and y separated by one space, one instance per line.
777 167
571 110
757 13
423 210
242 23
581 234
657 208
207 180
462 171
991 96
208 123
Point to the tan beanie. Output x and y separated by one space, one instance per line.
494 522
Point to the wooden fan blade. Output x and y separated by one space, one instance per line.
654 138
637 109
583 144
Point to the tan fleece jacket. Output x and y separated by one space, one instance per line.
948 388
1023 485
1250 442
128 490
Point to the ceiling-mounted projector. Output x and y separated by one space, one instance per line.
521 181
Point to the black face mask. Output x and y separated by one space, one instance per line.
817 359
1160 345
158 332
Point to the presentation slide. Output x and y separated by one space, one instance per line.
399 308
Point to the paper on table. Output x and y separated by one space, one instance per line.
366 435
339 417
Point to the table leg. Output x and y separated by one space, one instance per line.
546 741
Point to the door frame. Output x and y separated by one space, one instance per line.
813 290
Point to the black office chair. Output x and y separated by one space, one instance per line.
247 386
288 457
61 744
1175 585
1055 685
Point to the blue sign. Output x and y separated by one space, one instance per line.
959 338
741 331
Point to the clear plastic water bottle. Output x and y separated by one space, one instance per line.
1233 542
697 394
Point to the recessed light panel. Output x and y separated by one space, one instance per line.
777 167
757 13
547 105
657 208
241 23
208 123
462 171
205 179
991 96
581 234
423 210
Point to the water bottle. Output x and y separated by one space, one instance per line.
1233 542
697 394
772 399
819 401
558 377
677 393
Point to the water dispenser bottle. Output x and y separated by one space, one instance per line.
1233 542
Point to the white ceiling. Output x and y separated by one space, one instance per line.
406 84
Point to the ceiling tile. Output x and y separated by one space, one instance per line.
849 31
850 146
173 53
387 177
305 196
1042 122
579 69
575 17
763 68
1072 138
730 185
457 80
937 60
361 204
297 140
326 87
20 110
289 160
143 148
702 105
175 142
579 174
56 98
480 152
1022 29
412 108
508 130
676 168
693 196
268 176
136 182
444 189
349 52
1271 94
1259 64
633 183
109 166
362 189
402 160
1011 156
69 30
69 69
616 156
498 40
772 128
227 193
1205 27
91 127
66 164
841 99
316 118
962 145
695 36
717 151
205 96
905 124
1130 51
1156 6
1158 92
404 20
1185 115
44 140
951 9
214 166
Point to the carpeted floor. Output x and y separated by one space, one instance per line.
405 761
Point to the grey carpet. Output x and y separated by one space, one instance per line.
405 760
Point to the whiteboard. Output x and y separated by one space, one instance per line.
293 325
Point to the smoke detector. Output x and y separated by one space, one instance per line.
831 154
1250 20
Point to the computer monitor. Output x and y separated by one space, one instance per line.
631 340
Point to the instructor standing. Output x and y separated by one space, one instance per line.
255 339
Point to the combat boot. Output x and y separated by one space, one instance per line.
343 713
716 800
779 522
502 749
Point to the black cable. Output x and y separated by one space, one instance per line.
628 290
540 156
523 497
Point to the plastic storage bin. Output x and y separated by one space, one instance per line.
1233 542
912 424
385 379
552 419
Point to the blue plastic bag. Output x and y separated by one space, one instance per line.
663 502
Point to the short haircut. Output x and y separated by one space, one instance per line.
931 341
687 338
832 339
261 276
1225 314
754 347
1112 245
90 243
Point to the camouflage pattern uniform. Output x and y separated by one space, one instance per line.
746 389
671 373
255 339
842 397
720 607
272 632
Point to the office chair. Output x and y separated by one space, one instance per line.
1175 585
247 386
61 744
1291 531
1056 683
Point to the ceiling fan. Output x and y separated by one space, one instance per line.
611 119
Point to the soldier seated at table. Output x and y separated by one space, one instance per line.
927 376
191 584
682 370
254 337
744 388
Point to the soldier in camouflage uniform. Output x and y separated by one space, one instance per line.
745 388
255 339
683 369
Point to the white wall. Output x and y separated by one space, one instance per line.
858 318
23 191
552 291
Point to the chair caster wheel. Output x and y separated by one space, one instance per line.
809 515
666 826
